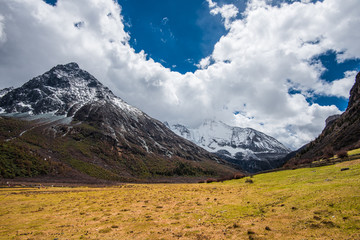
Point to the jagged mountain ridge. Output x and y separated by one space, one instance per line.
63 90
139 145
250 149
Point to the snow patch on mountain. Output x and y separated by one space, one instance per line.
5 91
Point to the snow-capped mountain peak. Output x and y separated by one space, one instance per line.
63 90
239 144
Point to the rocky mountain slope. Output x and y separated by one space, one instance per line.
342 132
76 122
247 148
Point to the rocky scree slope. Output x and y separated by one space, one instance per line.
83 125
250 150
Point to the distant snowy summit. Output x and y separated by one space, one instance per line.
247 148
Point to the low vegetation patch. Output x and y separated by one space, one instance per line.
18 161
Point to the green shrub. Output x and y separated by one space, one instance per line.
17 161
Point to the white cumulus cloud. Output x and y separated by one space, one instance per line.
265 53
270 51
338 88
228 12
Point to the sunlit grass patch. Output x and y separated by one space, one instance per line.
308 203
354 152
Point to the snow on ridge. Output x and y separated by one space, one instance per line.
216 136
124 106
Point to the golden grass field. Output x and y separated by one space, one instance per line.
308 203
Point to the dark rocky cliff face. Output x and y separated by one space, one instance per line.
354 94
341 132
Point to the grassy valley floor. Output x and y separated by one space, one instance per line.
308 203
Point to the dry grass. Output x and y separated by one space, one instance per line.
317 203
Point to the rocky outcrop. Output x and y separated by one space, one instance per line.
331 119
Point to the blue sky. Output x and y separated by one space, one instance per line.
175 33
178 34
334 70
282 66
179 41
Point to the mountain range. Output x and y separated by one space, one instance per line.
246 148
66 119
65 125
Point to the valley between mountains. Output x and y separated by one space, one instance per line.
66 126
